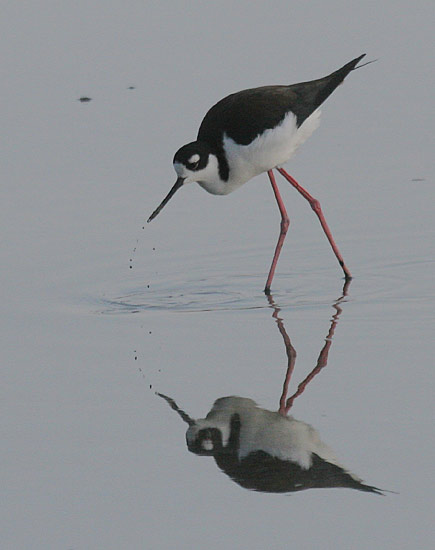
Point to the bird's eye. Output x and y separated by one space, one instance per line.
193 162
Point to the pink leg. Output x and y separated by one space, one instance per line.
315 205
285 222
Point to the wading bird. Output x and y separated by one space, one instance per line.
255 131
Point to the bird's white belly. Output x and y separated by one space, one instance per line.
272 148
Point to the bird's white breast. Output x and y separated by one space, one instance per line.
282 437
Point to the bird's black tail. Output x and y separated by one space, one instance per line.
312 94
333 80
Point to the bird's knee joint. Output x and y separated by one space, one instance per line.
285 222
315 205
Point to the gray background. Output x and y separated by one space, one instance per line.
91 458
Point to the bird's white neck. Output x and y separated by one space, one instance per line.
209 178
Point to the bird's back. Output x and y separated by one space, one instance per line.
244 115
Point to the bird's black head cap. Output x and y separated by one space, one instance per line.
193 156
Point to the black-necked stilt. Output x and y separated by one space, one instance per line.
264 450
255 131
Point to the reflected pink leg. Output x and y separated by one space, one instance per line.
315 205
285 222
283 409
322 361
291 355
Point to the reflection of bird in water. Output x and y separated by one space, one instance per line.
266 450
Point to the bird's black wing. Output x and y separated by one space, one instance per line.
246 114
262 472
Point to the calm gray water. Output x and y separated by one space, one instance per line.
99 314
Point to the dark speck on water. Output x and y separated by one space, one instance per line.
418 179
85 99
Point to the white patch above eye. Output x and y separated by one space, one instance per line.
194 158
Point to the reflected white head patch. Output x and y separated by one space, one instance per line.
207 445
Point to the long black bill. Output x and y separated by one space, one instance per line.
176 408
177 186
